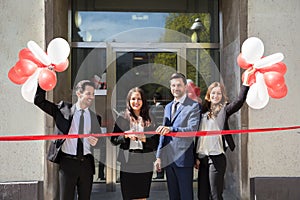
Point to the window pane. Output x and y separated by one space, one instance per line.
149 70
203 67
102 26
87 63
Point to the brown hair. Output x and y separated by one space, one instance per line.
179 75
214 109
82 84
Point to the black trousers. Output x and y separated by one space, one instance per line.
211 177
75 173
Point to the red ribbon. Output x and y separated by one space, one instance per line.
174 134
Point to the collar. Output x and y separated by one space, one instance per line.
78 107
181 100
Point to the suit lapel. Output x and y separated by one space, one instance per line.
72 111
180 107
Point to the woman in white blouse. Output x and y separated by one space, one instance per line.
136 153
210 150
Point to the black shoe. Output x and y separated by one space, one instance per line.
158 177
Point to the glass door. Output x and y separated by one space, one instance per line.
122 66
147 68
125 44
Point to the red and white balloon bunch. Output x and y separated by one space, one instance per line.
268 79
38 67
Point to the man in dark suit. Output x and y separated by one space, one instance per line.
76 164
176 153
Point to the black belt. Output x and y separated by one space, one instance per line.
73 157
219 155
136 150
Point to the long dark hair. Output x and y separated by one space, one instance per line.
144 113
213 111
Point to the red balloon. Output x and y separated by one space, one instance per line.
15 78
47 79
277 94
277 67
242 62
61 66
192 95
27 54
197 91
274 80
25 67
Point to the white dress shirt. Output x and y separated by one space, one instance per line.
181 100
70 145
136 127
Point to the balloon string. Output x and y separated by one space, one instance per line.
173 134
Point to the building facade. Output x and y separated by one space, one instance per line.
121 44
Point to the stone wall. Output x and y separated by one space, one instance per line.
20 161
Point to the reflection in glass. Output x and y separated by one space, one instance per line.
149 70
102 26
88 63
203 70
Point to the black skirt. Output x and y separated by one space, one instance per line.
135 185
136 175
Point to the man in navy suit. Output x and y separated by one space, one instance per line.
175 154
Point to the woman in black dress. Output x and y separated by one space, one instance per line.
136 153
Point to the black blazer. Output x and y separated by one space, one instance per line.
134 162
62 113
123 125
231 108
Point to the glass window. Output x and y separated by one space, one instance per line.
149 70
203 67
148 27
88 63
104 21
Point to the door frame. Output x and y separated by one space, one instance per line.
111 50
111 53
111 56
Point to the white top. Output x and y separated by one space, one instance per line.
209 145
136 127
70 145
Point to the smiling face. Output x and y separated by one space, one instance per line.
216 95
136 102
177 87
86 97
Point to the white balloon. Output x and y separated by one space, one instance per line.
252 95
58 50
263 94
38 53
258 97
268 60
252 49
29 88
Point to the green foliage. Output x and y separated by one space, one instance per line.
199 62
182 22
